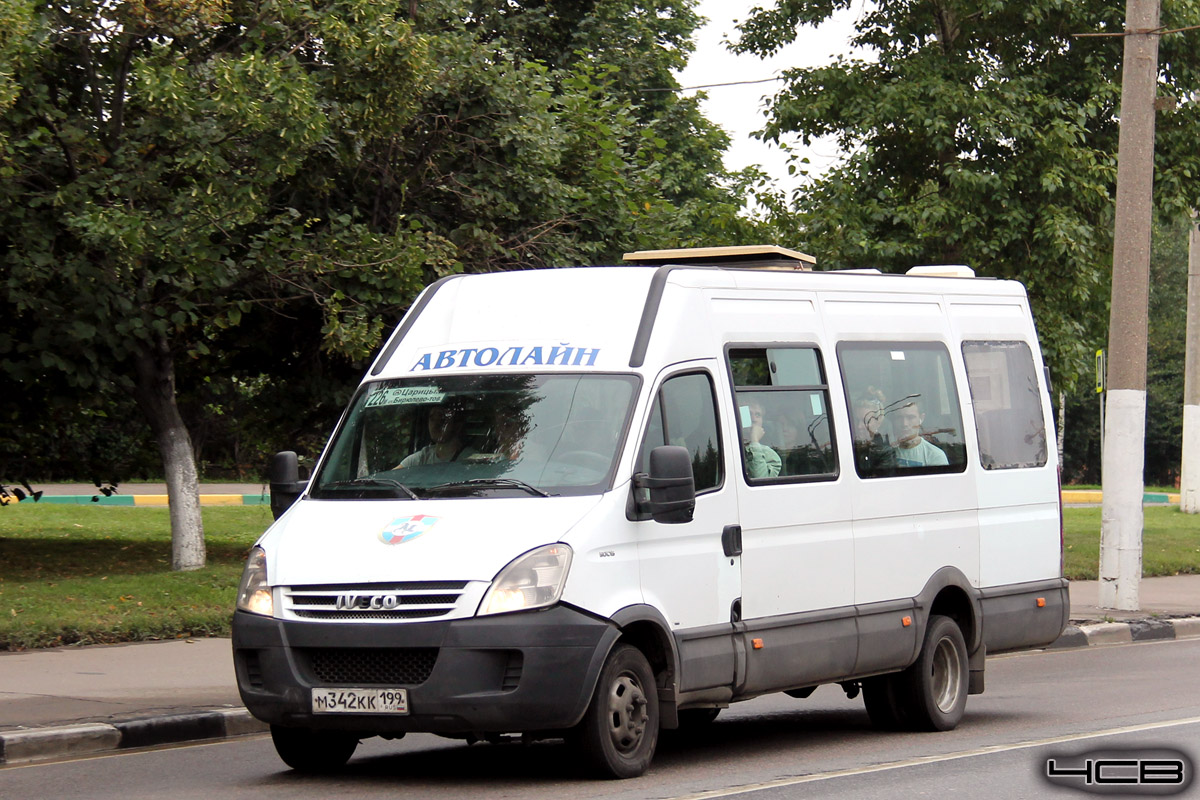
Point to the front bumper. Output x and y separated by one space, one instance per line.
532 671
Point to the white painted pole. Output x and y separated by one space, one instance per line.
1125 425
1189 473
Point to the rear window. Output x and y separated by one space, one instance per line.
1007 403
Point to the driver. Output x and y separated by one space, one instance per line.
445 438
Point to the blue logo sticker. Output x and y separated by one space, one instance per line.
405 529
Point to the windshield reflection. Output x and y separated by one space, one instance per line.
475 436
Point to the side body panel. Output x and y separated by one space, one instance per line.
905 527
1018 508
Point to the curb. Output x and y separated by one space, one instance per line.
66 741
1093 496
1140 630
143 500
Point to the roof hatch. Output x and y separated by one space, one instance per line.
757 256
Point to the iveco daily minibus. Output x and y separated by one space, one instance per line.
594 503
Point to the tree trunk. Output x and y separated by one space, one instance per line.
155 394
1122 465
1062 427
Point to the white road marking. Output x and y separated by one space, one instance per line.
914 762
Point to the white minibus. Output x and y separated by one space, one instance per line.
595 503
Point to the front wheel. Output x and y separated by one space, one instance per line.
933 691
310 751
619 732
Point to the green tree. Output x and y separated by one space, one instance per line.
539 144
218 209
150 163
1164 372
1164 367
980 132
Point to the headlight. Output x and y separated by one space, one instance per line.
535 580
254 593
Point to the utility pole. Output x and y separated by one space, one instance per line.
1125 428
1189 473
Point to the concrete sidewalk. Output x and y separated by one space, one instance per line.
66 701
73 701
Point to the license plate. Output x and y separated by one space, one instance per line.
360 701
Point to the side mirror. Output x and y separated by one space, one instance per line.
286 486
671 483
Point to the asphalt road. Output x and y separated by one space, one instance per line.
1037 705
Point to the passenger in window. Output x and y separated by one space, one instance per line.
873 453
913 449
446 443
761 460
798 446
788 439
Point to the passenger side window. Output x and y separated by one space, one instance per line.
1007 404
783 411
684 414
904 411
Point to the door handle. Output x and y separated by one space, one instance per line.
731 540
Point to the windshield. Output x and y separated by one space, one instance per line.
469 435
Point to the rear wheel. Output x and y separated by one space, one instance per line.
310 751
932 693
619 732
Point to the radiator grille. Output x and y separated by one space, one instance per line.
359 666
381 602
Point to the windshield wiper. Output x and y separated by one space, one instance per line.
499 483
375 482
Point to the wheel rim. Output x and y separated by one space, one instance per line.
627 713
947 676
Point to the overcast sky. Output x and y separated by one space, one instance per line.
739 109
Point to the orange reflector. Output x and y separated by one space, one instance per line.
757 643
906 621
1041 601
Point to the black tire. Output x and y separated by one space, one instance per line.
883 707
619 732
932 693
312 751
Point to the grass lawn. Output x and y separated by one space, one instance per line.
91 574
1170 542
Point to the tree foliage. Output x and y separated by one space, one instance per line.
218 209
981 132
1164 372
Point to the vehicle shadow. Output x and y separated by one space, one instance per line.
444 764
